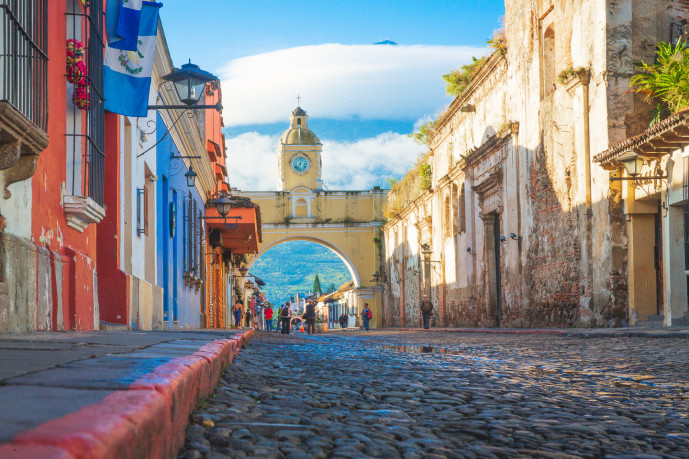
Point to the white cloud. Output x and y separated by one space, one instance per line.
357 165
361 164
340 81
252 161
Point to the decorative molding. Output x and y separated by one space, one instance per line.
80 211
489 191
21 170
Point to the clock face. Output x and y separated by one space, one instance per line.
300 164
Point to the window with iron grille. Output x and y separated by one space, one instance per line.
85 111
186 208
24 62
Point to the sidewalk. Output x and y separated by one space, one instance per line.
672 332
106 394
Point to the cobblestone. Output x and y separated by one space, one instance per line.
423 395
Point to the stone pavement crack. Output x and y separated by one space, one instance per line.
404 394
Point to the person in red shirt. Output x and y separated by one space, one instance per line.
268 314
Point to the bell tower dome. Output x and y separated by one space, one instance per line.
299 155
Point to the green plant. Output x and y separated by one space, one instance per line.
564 76
457 81
422 135
426 176
498 41
666 81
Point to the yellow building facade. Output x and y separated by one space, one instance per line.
347 222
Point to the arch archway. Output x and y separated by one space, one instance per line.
340 253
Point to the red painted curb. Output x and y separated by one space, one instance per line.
147 420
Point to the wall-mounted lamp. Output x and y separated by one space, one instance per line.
378 278
514 237
426 252
189 81
632 165
502 239
190 176
223 203
468 249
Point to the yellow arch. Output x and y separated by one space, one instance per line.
343 256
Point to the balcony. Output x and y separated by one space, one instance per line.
24 88
240 232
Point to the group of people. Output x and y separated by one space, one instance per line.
284 316
240 313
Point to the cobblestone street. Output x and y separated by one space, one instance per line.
415 394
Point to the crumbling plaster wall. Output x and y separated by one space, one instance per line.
568 264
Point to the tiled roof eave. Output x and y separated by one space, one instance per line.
652 139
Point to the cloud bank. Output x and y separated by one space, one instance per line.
340 81
356 165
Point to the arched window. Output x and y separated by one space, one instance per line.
548 61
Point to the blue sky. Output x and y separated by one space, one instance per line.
362 99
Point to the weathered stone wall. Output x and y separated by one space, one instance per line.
521 153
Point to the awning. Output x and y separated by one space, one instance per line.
660 139
239 235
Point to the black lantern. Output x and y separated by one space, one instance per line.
191 176
243 271
426 252
190 81
223 204
632 164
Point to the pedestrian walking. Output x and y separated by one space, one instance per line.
286 316
366 315
278 318
268 315
426 310
309 317
238 306
343 320
248 315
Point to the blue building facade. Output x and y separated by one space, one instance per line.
180 242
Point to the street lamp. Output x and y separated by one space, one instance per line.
632 164
190 176
426 252
223 204
189 82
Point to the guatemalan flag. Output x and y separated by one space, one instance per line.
127 28
127 73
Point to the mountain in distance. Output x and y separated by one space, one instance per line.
292 266
386 42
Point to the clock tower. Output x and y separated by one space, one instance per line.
299 155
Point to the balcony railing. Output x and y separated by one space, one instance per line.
86 124
23 58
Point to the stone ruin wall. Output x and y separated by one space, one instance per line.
571 274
